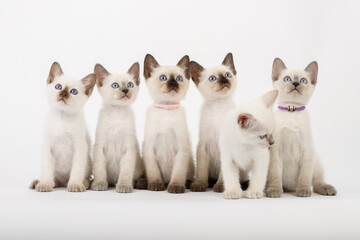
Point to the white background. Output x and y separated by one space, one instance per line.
78 34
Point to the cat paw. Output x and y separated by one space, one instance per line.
156 186
176 188
219 187
141 183
233 194
74 187
198 187
325 189
124 188
273 192
43 187
99 185
253 194
87 183
33 184
303 192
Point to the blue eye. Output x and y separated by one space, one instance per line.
73 91
287 79
212 78
58 86
303 81
163 78
179 78
130 85
263 136
115 85
227 75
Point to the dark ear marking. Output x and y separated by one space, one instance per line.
312 68
89 83
229 61
149 64
134 70
55 71
184 63
195 71
101 73
277 68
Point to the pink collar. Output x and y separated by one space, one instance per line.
166 106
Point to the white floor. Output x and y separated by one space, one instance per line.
26 214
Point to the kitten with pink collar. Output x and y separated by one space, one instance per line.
166 148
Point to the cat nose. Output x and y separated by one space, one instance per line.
223 80
125 90
295 84
63 94
172 83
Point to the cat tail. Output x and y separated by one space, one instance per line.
34 183
319 185
141 183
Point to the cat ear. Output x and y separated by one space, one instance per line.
269 98
89 83
229 61
312 68
245 121
134 70
149 65
277 68
55 71
184 63
195 71
101 73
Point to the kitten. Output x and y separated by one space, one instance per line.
166 149
216 85
294 164
66 147
245 137
116 152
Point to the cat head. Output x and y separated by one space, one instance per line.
217 82
167 84
118 89
67 93
256 121
295 86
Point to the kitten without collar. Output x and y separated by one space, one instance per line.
294 164
65 152
216 85
116 153
245 137
166 149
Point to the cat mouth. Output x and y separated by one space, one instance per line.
172 89
125 96
62 100
223 87
295 89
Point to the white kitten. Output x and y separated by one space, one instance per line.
216 85
245 138
166 149
116 152
66 147
294 164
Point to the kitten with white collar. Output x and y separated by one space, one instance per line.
217 85
294 164
116 152
65 152
245 137
166 149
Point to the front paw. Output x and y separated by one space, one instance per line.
303 192
254 194
156 186
232 194
176 188
219 187
325 189
273 192
198 187
124 188
99 185
43 187
75 187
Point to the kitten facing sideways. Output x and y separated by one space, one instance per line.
294 164
166 149
245 137
116 153
65 152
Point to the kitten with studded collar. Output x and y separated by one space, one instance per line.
166 148
66 147
294 164
116 152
